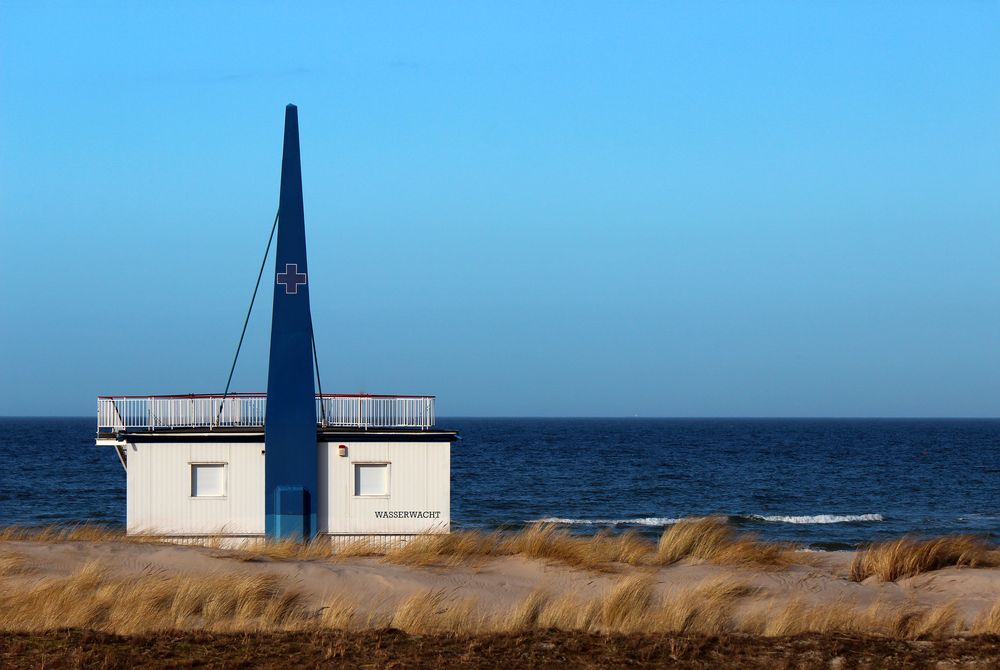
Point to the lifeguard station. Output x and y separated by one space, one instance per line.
291 462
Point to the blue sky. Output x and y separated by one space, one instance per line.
583 209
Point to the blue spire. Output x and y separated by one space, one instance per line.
290 423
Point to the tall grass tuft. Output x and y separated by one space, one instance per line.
567 612
431 611
632 606
339 612
713 539
628 548
445 548
901 621
292 549
906 557
626 607
933 622
357 548
525 614
988 623
543 541
69 533
547 541
705 608
14 564
92 598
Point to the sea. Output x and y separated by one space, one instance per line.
823 483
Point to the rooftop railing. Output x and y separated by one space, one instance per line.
247 410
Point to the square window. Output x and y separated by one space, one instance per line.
208 480
371 479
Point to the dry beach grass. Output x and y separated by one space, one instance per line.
69 533
907 557
710 539
92 598
635 588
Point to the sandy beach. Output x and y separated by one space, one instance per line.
809 592
703 596
498 584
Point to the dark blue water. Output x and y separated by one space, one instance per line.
51 472
826 483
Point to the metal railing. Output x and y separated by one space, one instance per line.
247 410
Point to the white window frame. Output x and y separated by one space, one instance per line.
354 479
225 479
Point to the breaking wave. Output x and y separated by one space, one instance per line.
666 521
819 518
646 521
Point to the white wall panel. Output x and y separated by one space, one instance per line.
419 488
159 489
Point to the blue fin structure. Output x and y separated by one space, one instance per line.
290 421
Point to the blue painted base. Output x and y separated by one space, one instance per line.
292 516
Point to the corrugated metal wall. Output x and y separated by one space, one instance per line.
419 481
159 489
160 501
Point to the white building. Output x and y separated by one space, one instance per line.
195 465
204 466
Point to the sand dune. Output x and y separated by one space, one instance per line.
501 592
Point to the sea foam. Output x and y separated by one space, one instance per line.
645 521
666 521
818 518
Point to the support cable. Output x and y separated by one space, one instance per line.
319 383
247 319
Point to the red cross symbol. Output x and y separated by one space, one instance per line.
292 278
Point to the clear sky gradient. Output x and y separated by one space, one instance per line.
578 208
